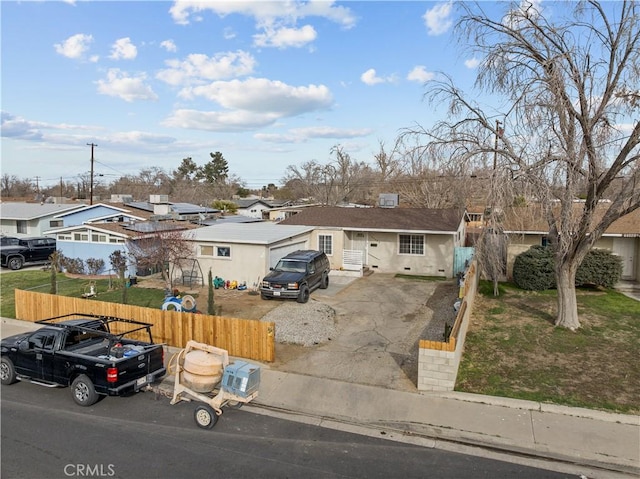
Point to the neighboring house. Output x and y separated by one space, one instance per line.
417 241
526 227
284 212
30 219
244 252
161 208
100 213
253 208
96 231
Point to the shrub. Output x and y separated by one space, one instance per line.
73 265
533 269
95 265
600 267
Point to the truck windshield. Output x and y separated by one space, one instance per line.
291 266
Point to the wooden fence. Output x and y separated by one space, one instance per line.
244 338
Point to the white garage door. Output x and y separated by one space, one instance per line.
279 251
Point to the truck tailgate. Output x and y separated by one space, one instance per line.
137 368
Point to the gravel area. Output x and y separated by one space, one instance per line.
306 324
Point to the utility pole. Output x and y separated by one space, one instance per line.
92 145
499 132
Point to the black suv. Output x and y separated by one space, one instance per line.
296 275
15 252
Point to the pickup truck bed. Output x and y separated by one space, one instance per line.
84 354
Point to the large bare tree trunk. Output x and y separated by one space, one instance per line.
567 302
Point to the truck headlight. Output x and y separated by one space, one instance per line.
265 284
292 286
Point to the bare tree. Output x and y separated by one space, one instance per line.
570 89
161 248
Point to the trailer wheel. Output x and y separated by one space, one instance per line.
235 404
7 372
205 417
84 394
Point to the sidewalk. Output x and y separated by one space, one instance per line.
605 441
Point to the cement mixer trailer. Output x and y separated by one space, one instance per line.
203 373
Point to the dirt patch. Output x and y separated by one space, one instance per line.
233 303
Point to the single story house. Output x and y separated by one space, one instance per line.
255 207
30 219
245 252
419 241
526 227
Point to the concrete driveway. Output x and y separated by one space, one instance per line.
380 320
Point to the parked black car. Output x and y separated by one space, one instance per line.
296 275
15 252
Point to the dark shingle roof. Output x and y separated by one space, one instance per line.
394 219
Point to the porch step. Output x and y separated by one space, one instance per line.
366 271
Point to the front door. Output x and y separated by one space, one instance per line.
359 243
625 248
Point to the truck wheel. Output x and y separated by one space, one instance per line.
15 263
264 296
7 372
303 295
205 417
324 282
84 394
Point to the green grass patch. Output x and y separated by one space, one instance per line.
513 349
40 281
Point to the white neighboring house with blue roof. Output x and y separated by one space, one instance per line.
31 219
244 252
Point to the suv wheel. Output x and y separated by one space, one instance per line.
303 295
324 282
15 263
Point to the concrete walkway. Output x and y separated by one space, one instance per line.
595 444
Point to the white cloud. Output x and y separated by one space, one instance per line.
263 95
169 45
198 67
438 19
285 37
129 88
472 63
265 13
249 104
237 120
420 74
123 49
75 46
370 77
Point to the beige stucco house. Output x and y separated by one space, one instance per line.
416 241
526 228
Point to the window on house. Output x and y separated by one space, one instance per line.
21 227
545 241
223 251
325 243
411 244
80 236
206 250
56 223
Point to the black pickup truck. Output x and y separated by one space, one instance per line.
81 351
15 252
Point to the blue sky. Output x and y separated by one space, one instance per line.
268 84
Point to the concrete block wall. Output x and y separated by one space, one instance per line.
438 368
